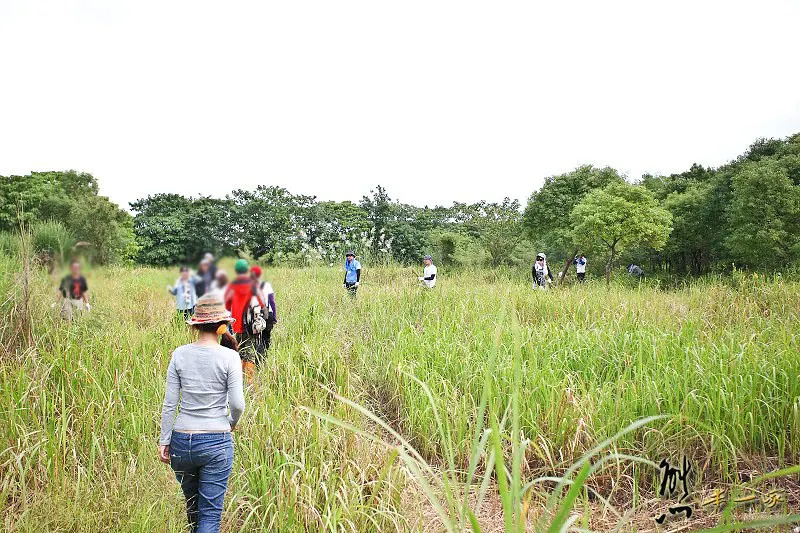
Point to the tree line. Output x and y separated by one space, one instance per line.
745 213
66 216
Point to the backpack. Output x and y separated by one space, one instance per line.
253 316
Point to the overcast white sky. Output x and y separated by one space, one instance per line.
438 101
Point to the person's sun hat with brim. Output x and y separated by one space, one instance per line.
210 309
241 266
429 258
350 252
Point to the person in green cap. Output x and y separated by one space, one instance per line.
243 300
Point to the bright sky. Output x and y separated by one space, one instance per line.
436 100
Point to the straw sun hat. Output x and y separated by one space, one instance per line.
210 309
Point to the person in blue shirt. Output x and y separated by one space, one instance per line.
185 292
352 273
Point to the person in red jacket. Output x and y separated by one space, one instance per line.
240 295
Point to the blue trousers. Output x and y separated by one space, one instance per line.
202 463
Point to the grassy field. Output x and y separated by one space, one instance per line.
553 373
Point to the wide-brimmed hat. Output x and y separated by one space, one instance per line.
210 309
350 252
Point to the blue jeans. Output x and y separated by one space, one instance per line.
202 463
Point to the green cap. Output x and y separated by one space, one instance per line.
241 266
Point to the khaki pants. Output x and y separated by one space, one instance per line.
70 306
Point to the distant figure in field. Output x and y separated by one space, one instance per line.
580 267
540 272
243 300
206 271
73 291
635 271
271 313
220 283
352 273
185 292
428 278
204 382
218 287
212 265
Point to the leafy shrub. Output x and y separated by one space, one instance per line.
53 238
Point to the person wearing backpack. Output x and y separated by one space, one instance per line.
270 312
243 300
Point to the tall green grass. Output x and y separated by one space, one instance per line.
464 407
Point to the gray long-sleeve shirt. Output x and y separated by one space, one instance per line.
203 382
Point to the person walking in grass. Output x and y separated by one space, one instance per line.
243 300
635 271
218 288
185 292
220 284
428 278
212 265
271 313
580 267
541 273
352 273
206 273
205 389
73 291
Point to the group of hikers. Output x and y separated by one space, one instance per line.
204 396
247 297
543 276
352 273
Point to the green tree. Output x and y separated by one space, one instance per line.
71 199
42 196
340 226
378 207
271 222
764 215
692 236
619 216
500 230
697 200
106 229
447 244
162 228
548 219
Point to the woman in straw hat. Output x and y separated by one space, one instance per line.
204 386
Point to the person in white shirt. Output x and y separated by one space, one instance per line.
580 267
219 284
541 273
428 277
271 315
